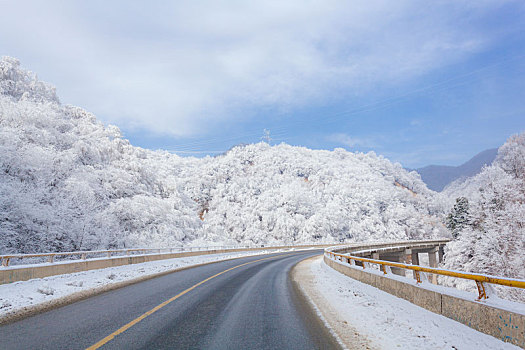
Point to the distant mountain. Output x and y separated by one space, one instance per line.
437 177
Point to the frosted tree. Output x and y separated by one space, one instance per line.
511 156
494 241
458 218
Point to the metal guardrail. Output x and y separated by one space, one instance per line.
89 254
109 253
478 278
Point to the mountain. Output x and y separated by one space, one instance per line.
437 177
67 182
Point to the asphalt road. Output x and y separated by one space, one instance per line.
253 306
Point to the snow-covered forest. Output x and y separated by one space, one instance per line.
67 182
488 219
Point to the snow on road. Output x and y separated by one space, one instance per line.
20 295
389 322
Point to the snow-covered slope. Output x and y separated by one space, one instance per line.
491 236
67 182
286 194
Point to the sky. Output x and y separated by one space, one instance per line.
418 82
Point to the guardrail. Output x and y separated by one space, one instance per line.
92 254
59 263
478 278
504 320
84 255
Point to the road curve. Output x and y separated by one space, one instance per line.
247 303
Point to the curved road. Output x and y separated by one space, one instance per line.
246 303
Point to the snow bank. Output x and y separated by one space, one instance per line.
389 322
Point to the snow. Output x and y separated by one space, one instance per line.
68 182
490 223
393 323
19 295
493 299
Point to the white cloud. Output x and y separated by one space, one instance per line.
416 122
350 141
183 68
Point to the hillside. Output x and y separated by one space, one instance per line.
288 194
488 219
68 182
437 177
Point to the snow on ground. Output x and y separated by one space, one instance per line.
393 323
19 295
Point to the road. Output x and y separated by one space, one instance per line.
247 303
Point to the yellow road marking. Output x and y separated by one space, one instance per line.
160 306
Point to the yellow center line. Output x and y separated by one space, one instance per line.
160 306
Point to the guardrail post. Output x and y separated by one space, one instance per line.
83 256
417 276
50 258
108 254
5 262
481 290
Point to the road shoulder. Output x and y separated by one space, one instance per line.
304 281
386 320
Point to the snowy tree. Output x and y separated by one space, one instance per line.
458 218
511 156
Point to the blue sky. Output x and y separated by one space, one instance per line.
418 82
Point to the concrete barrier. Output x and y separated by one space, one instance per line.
27 272
503 324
